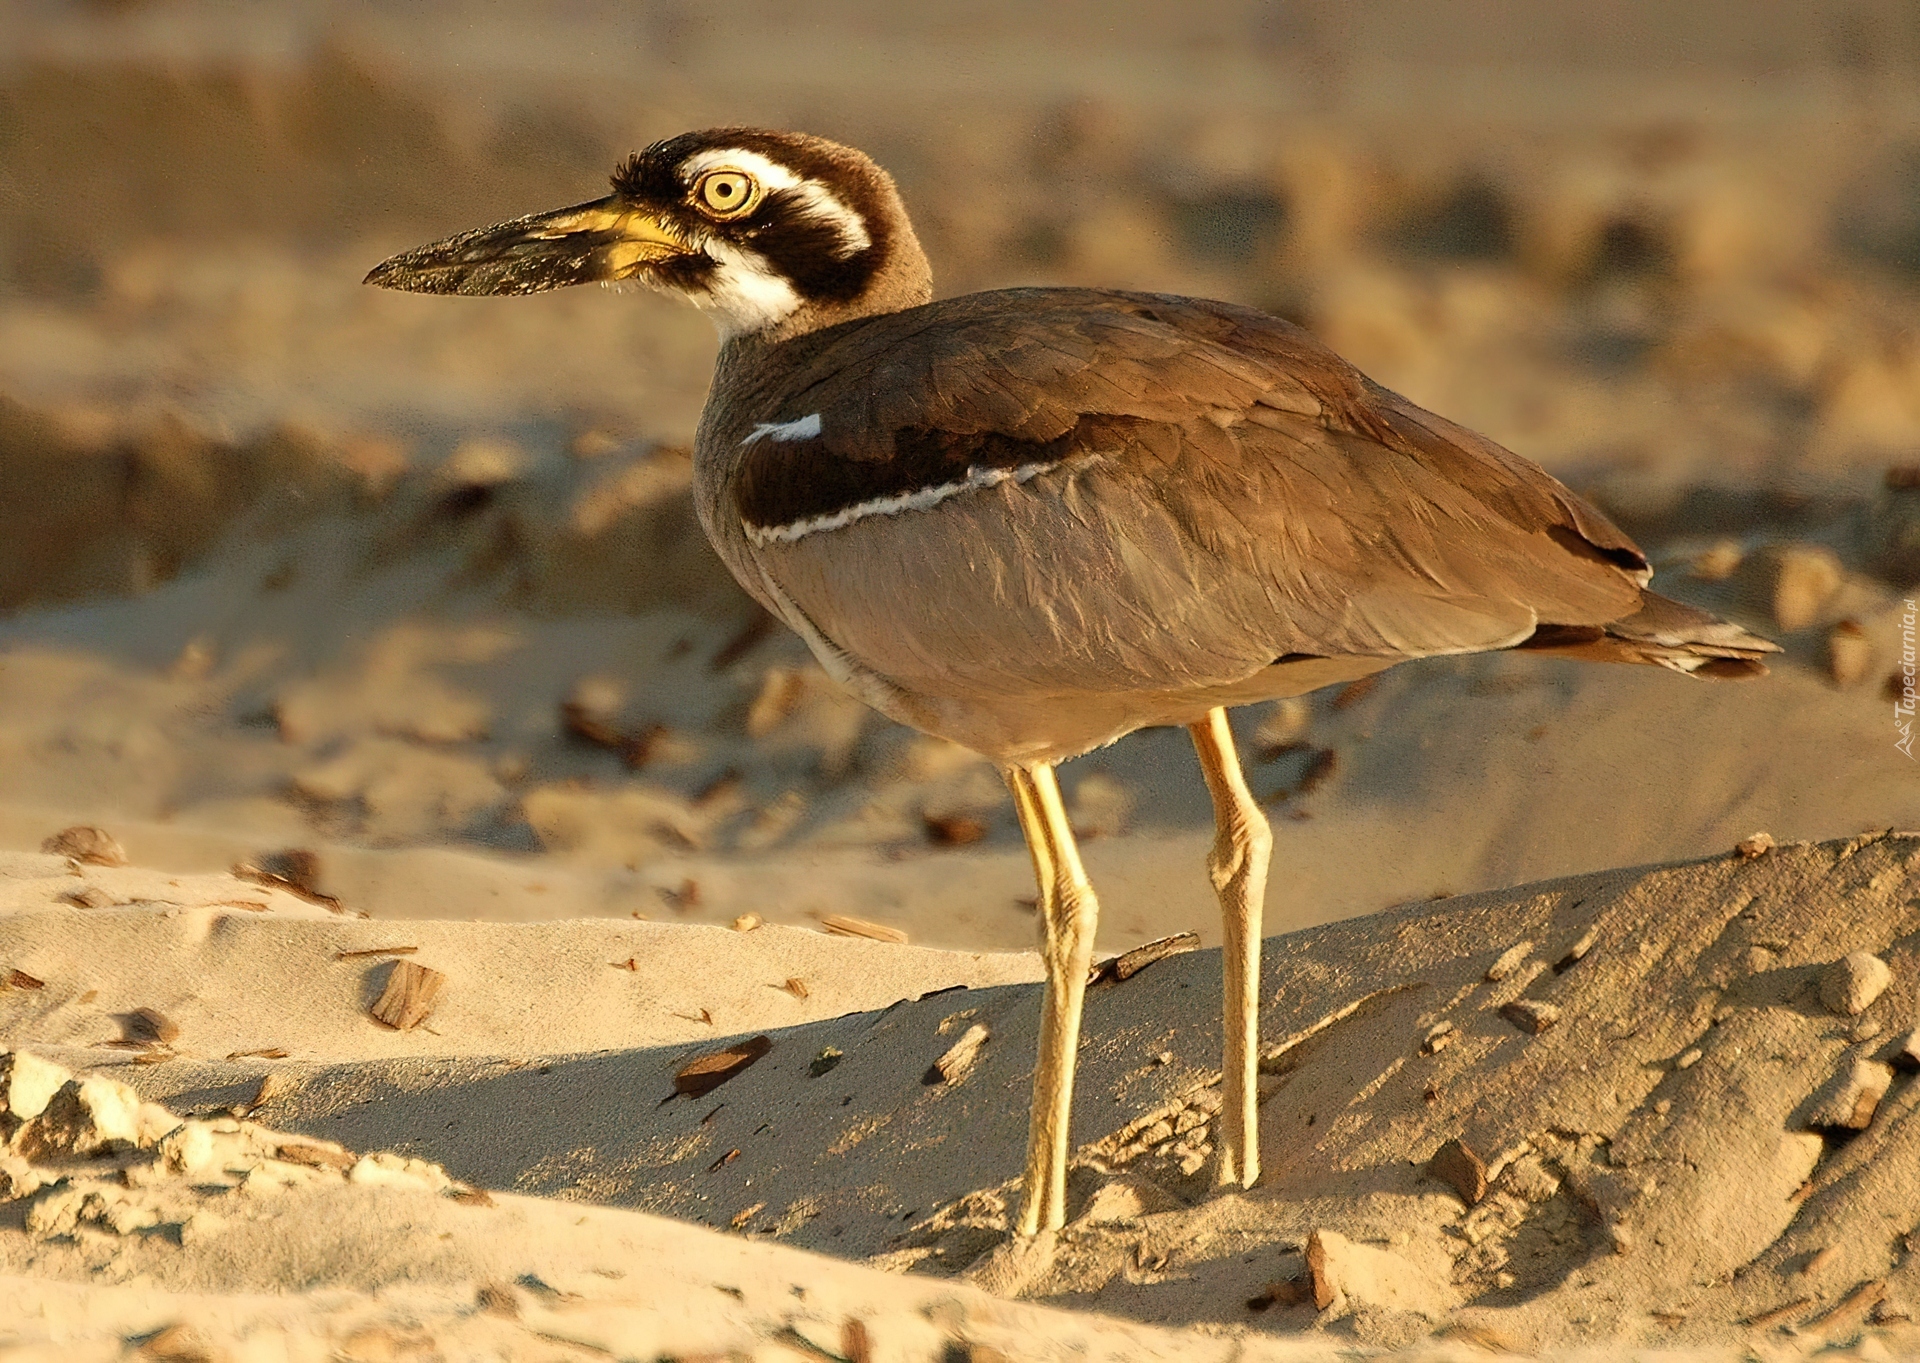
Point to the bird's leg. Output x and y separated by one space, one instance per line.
1242 848
1068 913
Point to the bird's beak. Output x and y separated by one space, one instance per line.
589 243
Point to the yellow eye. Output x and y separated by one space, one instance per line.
727 193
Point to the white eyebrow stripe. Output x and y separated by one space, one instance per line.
805 428
817 200
921 499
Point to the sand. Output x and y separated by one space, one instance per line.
1656 1076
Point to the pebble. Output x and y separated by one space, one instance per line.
1851 984
1206 1100
1509 961
1754 845
1907 1055
1689 1060
1438 1038
1577 952
1805 578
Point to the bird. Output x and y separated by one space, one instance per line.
1034 520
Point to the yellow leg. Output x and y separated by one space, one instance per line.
1242 849
1068 914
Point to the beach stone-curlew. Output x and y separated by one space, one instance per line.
1849 986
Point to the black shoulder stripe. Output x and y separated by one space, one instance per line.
784 481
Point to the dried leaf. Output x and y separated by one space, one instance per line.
796 986
953 830
705 1073
409 996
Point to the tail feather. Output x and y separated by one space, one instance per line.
1664 632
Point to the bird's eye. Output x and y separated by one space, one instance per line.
726 193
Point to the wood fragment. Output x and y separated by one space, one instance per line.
724 1160
250 905
1855 1303
88 897
1531 1015
178 1343
317 1155
1130 963
269 1053
844 925
795 986
1778 1313
472 1197
857 1346
702 1016
746 1214
1456 1165
19 979
85 843
408 997
632 963
960 1057
373 951
705 1073
255 875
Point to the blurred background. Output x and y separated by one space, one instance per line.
412 586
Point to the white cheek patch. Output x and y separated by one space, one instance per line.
745 294
920 499
816 200
806 428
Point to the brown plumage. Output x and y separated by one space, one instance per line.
1035 520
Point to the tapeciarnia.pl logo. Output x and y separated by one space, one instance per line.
1903 703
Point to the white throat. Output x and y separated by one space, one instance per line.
746 294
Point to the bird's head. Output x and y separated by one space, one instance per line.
773 233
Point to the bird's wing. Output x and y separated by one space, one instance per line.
1064 490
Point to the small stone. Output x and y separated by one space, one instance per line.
1688 1060
84 842
88 897
1851 984
83 1116
1439 1036
1851 1097
1347 1274
746 922
1456 1165
1187 1121
1191 1162
1759 959
1531 1015
1754 845
1510 960
1849 654
1865 1030
1207 1100
1504 1279
829 1057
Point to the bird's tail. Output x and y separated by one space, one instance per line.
1665 632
